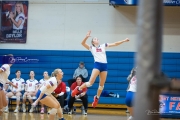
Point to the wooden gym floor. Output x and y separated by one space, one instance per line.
93 114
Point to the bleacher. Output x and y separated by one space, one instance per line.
119 67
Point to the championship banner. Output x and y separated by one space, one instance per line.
169 105
135 2
14 21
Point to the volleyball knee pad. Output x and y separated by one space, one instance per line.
88 84
29 97
101 87
18 98
53 111
59 110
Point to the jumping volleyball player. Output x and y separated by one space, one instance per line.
100 65
45 97
4 74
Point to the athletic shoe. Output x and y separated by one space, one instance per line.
85 112
75 91
42 110
16 110
24 108
130 118
94 104
32 109
70 112
6 110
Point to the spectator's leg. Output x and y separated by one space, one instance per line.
61 101
24 101
30 95
18 96
65 97
70 104
85 101
42 109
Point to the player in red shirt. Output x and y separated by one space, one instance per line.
60 93
80 95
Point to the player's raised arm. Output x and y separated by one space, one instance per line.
118 43
85 39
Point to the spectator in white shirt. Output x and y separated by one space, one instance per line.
31 87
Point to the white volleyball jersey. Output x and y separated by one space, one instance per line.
52 82
133 84
41 82
18 82
31 85
99 53
21 17
5 74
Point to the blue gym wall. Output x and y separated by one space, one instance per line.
120 64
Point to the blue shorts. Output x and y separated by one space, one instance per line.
100 66
129 98
38 94
1 86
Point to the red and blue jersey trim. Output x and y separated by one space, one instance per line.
51 83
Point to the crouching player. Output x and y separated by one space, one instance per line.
44 95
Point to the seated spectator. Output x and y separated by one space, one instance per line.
80 71
18 81
60 93
41 82
81 95
31 87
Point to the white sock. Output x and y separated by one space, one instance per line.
97 97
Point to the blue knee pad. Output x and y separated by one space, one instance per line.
129 98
